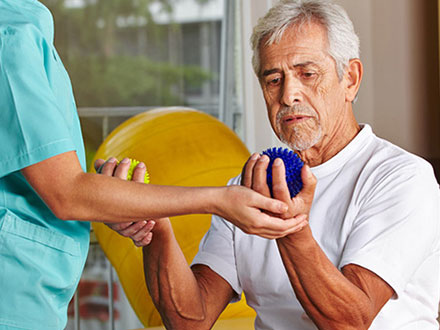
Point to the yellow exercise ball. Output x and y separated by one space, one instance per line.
182 147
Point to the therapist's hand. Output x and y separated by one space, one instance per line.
254 176
140 232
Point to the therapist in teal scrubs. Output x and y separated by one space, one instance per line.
44 184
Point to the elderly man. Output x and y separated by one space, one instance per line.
365 253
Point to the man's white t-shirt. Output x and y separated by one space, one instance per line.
376 206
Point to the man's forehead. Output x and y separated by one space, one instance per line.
275 61
299 47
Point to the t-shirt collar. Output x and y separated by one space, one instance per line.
347 153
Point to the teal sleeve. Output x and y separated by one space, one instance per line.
33 127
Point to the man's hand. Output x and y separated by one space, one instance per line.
241 206
140 232
272 223
254 176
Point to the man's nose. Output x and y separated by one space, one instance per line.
291 93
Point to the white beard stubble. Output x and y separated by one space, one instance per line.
300 136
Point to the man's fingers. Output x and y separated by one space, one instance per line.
112 168
139 232
279 184
309 184
139 172
119 226
259 177
132 229
280 189
122 169
247 172
145 241
143 232
108 167
97 164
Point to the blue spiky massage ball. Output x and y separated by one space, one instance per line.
293 165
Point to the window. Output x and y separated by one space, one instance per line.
128 56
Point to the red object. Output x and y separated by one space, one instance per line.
93 300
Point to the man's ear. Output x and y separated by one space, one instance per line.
353 78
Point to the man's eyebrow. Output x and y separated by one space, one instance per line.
269 72
298 65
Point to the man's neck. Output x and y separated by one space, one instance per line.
331 144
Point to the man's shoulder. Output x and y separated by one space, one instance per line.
391 172
388 157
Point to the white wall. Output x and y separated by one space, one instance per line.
398 77
358 11
399 71
393 93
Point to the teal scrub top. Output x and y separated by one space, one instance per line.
41 257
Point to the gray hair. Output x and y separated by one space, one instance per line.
343 41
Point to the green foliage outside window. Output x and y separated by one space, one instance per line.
106 66
129 81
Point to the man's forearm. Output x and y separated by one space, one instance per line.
171 283
328 297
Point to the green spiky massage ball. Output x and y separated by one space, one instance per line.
133 164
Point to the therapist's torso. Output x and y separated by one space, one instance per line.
38 120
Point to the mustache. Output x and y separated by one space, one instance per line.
296 109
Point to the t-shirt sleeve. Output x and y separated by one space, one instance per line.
32 127
216 251
397 226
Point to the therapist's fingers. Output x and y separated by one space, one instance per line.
273 227
296 223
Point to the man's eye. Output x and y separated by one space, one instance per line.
308 74
274 81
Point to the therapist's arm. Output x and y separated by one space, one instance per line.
72 194
139 232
